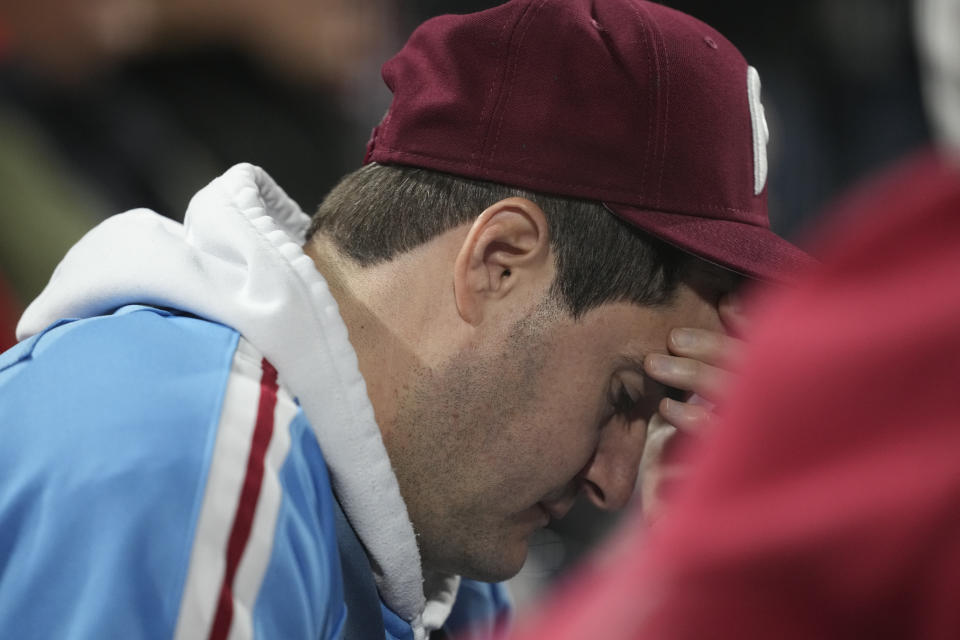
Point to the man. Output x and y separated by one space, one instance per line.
257 425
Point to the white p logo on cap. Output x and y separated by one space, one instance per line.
761 134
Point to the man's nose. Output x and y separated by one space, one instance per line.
610 476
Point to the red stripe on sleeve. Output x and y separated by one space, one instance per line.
243 519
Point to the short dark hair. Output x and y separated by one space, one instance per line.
380 211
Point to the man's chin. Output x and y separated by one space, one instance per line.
505 565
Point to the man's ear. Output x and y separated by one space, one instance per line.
506 252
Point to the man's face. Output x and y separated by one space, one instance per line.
503 437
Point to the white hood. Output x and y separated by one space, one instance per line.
237 260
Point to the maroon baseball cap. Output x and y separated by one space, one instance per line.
630 103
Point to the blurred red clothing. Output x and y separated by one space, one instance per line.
10 310
827 503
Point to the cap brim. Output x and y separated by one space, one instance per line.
753 251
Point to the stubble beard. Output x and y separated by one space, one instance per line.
448 451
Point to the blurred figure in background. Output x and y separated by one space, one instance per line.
110 104
830 508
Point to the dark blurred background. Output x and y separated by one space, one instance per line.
107 105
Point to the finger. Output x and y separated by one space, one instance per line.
691 418
687 374
732 314
711 347
652 466
659 430
656 490
659 470
659 434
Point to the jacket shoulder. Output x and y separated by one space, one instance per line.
119 433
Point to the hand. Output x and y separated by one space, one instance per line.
700 362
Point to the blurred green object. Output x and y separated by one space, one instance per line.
44 209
